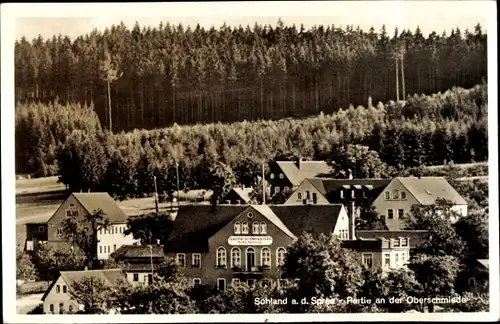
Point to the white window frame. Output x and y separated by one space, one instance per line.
218 280
389 212
278 255
268 250
271 176
247 250
255 228
353 193
299 195
193 258
396 259
196 279
281 283
403 195
178 261
59 231
223 258
237 228
232 258
387 256
395 194
282 176
387 195
244 228
364 255
135 275
235 282
263 227
341 194
401 213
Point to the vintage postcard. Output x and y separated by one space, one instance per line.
250 161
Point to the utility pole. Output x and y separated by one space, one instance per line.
151 254
263 185
177 174
156 194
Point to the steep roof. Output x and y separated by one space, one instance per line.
92 201
427 189
243 193
306 169
194 225
138 251
327 186
416 236
110 277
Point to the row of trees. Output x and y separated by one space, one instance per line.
154 77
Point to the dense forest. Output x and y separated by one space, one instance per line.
68 140
155 77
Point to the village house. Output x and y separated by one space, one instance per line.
140 261
58 299
238 196
398 197
228 244
286 176
36 234
81 205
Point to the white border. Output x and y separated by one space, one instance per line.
394 12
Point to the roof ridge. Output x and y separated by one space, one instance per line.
89 270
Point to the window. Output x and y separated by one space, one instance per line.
251 282
286 189
396 242
196 260
280 256
387 195
315 197
181 260
228 202
71 212
65 289
221 257
237 228
58 289
276 189
136 277
109 248
397 259
238 202
255 228
308 195
250 215
367 260
100 248
401 213
244 228
282 176
263 228
235 257
404 242
395 194
403 258
403 195
196 282
353 193
265 257
41 229
390 213
221 284
51 308
299 196
250 258
114 247
70 307
282 283
341 194
145 279
235 282
265 283
271 176
61 308
59 231
387 259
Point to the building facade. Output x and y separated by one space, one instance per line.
140 261
227 245
36 234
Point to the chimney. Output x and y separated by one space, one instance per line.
352 220
299 162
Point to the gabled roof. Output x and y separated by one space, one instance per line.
427 189
194 225
138 251
484 262
307 169
243 193
328 186
110 277
416 236
92 201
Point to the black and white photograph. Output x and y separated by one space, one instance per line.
250 161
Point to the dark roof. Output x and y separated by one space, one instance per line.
194 225
92 201
138 251
416 236
110 277
307 169
363 244
243 193
427 189
328 186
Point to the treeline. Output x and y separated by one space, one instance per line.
168 74
216 156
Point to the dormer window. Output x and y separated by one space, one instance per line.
237 228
